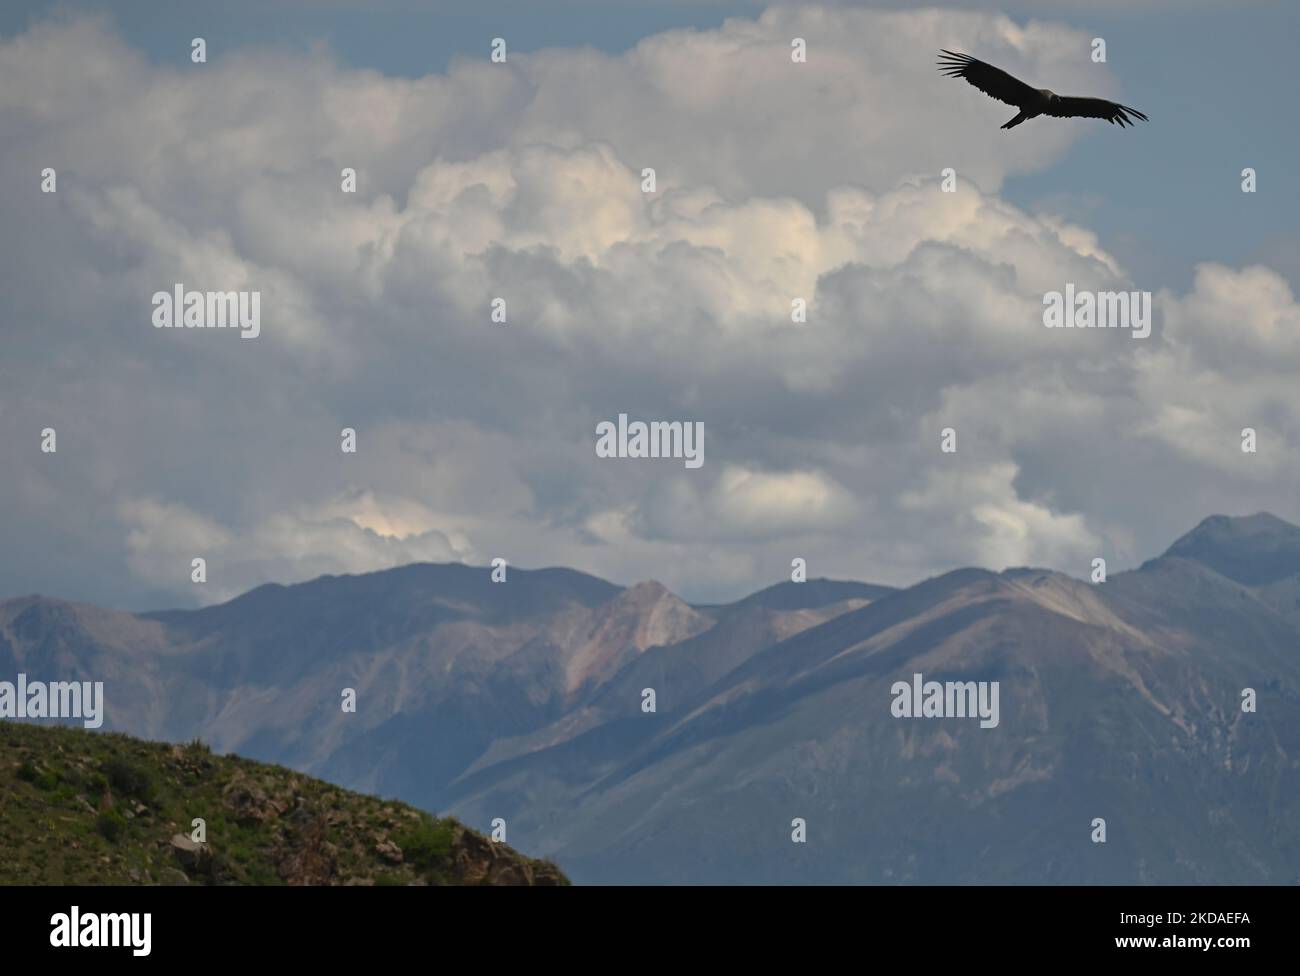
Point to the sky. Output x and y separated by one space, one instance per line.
523 180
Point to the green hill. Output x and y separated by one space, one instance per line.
79 807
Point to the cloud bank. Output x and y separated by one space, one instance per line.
522 181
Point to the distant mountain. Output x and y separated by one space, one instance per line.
527 701
811 594
446 664
83 808
1254 550
1099 718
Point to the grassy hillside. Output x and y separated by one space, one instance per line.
79 807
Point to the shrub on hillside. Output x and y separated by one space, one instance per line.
427 843
111 825
129 780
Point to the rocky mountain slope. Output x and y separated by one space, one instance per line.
78 807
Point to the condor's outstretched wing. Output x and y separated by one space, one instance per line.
1072 107
988 79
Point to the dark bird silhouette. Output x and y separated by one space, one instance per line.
1032 102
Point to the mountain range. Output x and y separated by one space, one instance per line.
1122 701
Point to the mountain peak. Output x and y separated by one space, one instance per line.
647 589
653 614
1250 549
817 592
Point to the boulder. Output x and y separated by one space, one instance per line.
192 855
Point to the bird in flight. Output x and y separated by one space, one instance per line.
1032 102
